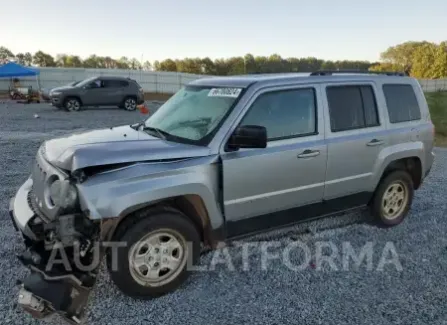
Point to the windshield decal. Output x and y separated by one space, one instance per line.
224 92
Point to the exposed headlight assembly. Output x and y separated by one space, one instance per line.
63 194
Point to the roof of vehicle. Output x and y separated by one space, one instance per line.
244 81
115 78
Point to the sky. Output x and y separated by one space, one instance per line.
156 30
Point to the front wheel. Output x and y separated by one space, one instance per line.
72 104
159 245
392 199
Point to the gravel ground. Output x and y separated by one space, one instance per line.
416 294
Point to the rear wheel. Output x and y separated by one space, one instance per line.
72 104
159 244
130 104
392 199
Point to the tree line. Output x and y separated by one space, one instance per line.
42 59
419 59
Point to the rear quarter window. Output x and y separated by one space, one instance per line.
402 103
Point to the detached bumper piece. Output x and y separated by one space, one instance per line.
59 281
41 297
42 294
62 256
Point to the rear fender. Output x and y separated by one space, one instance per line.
393 153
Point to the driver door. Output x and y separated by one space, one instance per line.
264 188
94 93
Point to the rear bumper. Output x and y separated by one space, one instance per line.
429 163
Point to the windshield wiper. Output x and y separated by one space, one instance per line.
161 134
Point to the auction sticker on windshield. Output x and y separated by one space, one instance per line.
224 92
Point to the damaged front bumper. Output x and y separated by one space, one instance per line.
55 250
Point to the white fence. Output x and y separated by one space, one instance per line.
431 85
151 81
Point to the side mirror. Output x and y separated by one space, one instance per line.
248 136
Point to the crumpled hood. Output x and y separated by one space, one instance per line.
115 145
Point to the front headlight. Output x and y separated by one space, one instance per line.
55 93
63 194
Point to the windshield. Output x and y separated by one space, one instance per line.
194 113
86 81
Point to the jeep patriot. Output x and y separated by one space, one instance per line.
223 158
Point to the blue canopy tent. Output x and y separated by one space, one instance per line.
12 69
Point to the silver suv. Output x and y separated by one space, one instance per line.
224 157
123 92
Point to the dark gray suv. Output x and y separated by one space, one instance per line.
99 91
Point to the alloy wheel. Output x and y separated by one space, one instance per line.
158 257
130 104
394 200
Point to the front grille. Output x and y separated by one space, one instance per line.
43 175
33 204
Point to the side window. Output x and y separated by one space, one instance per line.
123 83
95 84
112 83
402 103
369 106
352 107
285 114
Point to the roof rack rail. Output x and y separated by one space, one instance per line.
330 72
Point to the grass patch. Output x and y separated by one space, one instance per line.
437 103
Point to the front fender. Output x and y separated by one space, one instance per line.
115 194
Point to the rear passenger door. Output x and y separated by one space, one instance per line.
355 136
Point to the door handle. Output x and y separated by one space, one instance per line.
374 142
308 153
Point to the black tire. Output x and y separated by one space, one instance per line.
72 104
129 103
379 204
136 228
